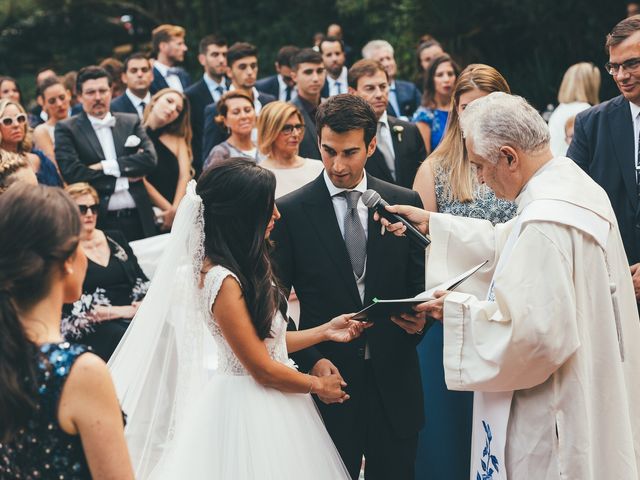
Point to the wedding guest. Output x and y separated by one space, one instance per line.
137 77
168 125
569 127
15 137
55 103
579 91
281 85
431 117
69 82
10 89
427 50
61 417
115 69
447 184
113 287
334 59
169 49
37 115
14 168
236 114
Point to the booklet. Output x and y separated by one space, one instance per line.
386 308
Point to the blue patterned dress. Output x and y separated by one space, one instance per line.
437 121
444 444
41 449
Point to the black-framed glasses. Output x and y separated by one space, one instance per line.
288 129
84 209
628 66
19 119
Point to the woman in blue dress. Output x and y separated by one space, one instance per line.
446 183
431 117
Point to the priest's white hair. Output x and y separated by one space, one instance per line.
501 119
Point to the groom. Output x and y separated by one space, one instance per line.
332 252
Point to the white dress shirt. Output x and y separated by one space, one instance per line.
385 144
334 89
137 101
635 116
282 90
214 87
172 79
256 103
121 198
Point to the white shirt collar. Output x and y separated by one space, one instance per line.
635 110
162 68
384 119
96 120
137 100
212 84
333 190
342 78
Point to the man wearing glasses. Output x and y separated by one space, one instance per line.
606 139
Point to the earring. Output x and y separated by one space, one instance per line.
69 271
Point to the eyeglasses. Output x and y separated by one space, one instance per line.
288 129
19 119
628 66
84 209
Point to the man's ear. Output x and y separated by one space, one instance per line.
294 75
202 59
372 146
123 78
351 90
511 156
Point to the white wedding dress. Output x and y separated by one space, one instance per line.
236 429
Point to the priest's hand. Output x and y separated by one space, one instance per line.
417 216
433 308
635 276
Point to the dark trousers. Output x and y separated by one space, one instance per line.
360 426
105 337
127 221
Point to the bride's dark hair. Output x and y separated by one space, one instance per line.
238 198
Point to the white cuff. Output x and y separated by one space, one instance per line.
110 167
122 183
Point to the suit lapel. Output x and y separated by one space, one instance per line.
374 249
621 129
397 151
376 164
84 126
119 133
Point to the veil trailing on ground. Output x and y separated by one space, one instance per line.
161 362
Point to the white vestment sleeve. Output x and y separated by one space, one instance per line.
519 340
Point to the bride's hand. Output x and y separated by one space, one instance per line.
330 388
342 329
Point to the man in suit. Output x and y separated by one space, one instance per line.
400 149
332 51
307 69
605 139
169 49
329 248
404 97
137 76
281 85
242 69
111 152
213 84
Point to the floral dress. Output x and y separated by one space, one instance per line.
437 121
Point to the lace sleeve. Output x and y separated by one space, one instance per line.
213 282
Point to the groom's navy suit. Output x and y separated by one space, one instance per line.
385 412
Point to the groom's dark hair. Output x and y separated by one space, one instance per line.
346 112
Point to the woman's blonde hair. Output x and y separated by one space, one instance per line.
181 126
10 163
27 143
79 189
450 156
271 120
580 83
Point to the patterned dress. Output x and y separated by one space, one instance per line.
437 121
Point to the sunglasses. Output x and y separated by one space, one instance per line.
19 119
84 209
288 129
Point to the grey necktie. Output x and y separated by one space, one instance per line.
354 237
384 148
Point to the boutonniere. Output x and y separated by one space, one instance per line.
398 129
132 141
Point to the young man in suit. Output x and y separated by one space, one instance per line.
213 84
137 76
400 148
281 85
329 249
111 152
332 51
404 97
309 73
605 139
242 69
169 49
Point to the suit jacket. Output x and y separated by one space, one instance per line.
77 147
159 82
603 146
213 134
310 255
122 104
309 145
324 93
409 154
409 99
269 85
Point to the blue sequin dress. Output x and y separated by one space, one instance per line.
444 444
437 121
42 450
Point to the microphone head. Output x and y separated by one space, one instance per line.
371 198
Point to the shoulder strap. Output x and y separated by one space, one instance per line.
56 361
213 282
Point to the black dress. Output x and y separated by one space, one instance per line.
120 282
165 176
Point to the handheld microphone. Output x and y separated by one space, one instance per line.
372 199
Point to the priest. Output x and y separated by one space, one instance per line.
549 344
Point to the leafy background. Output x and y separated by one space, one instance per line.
531 42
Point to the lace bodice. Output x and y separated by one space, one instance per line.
228 363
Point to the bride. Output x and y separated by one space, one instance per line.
203 371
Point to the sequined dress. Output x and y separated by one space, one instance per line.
42 450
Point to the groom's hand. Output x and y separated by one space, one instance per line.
323 368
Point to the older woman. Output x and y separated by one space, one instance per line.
55 103
15 137
237 114
114 284
169 128
280 131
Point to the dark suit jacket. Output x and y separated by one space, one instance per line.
409 99
409 154
309 145
310 255
324 93
122 104
269 85
159 82
603 146
77 147
212 133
